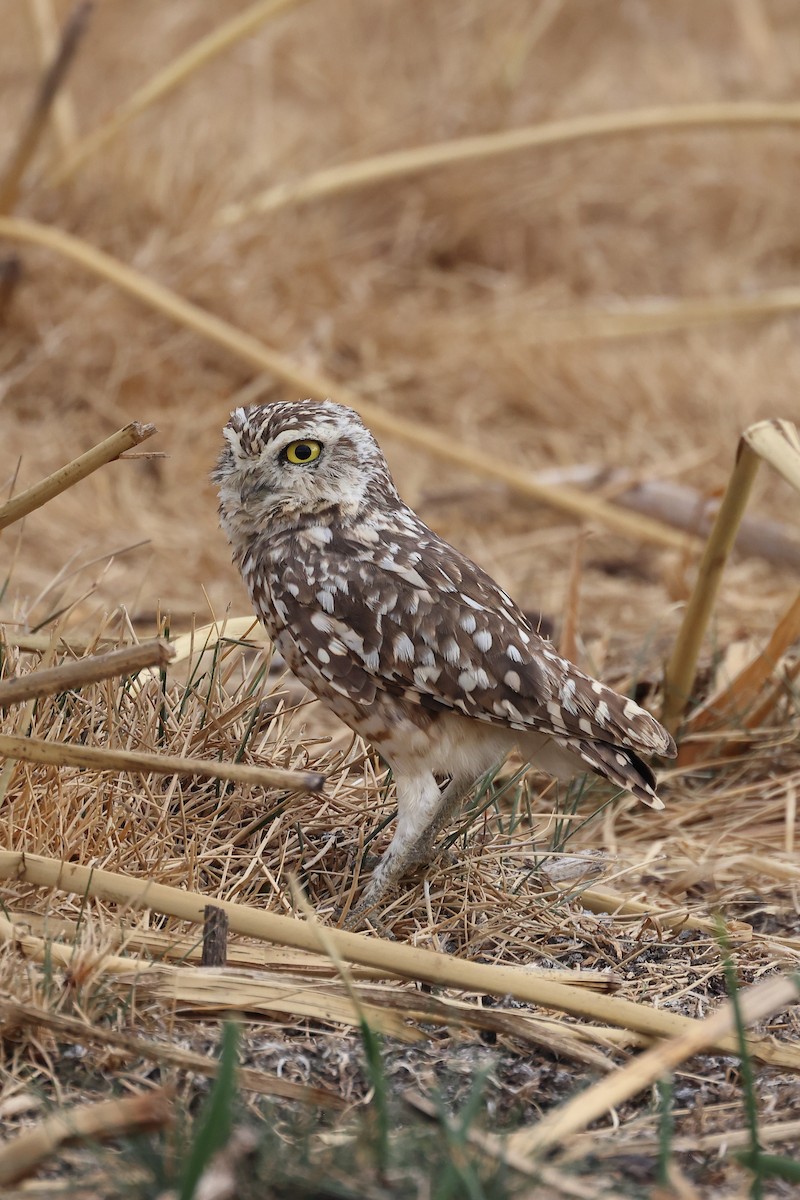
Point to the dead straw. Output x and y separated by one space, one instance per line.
71 676
394 958
59 754
70 474
405 163
311 383
72 1029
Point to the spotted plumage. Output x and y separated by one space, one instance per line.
408 641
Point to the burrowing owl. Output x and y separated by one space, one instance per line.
402 636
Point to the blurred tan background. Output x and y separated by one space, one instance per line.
429 295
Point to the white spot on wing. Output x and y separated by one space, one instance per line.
567 693
483 640
403 648
471 679
451 650
325 600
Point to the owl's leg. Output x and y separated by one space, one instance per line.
422 810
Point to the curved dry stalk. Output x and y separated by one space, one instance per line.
46 94
171 77
403 163
311 383
45 27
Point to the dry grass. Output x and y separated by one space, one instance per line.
580 302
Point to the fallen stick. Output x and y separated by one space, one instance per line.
682 507
77 674
95 758
86 1122
70 474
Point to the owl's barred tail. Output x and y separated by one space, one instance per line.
621 766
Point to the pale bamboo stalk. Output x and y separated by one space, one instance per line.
167 80
756 1004
604 900
61 754
682 666
70 474
728 1139
267 990
408 962
77 674
310 383
145 1111
481 147
46 93
777 441
75 1030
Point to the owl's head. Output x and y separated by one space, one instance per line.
291 460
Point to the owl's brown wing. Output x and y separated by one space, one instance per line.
410 615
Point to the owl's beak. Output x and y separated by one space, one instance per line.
250 488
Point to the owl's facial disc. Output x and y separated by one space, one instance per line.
294 460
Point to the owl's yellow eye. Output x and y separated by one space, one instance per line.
301 453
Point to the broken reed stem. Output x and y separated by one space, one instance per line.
404 163
394 958
735 703
757 1003
70 474
96 667
61 754
682 665
310 383
167 80
140 1113
72 33
73 1029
